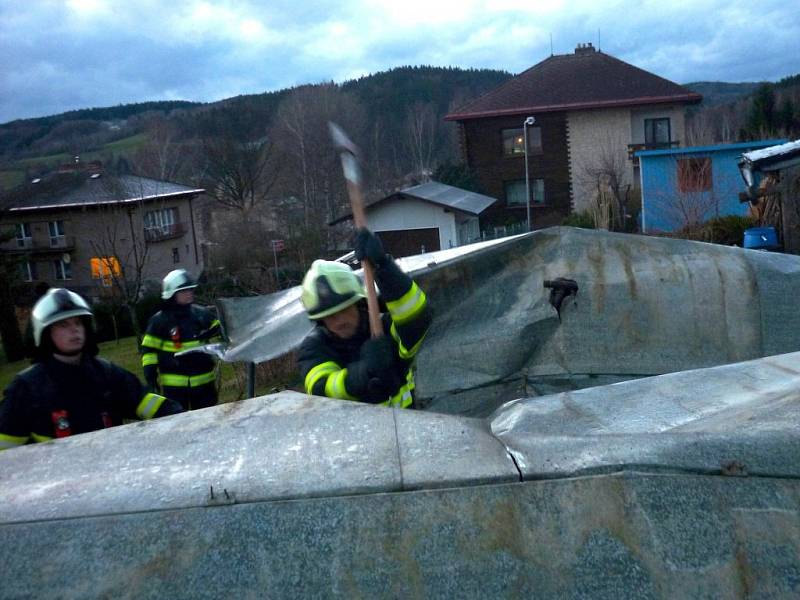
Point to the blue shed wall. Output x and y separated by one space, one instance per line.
661 196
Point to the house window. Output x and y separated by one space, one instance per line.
515 192
57 239
514 141
27 270
62 269
657 132
24 237
694 175
176 256
105 268
161 221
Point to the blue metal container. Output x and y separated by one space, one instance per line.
760 237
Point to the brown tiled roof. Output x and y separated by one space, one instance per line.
586 79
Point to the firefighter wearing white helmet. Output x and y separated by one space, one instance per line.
180 325
68 390
338 358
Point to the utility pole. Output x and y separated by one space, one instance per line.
528 122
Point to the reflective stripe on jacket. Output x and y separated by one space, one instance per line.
324 358
52 399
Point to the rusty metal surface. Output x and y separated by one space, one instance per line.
287 445
616 536
742 417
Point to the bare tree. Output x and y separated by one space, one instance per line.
421 136
13 344
687 199
163 156
121 251
313 174
605 177
237 174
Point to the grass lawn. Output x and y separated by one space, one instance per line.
233 382
125 146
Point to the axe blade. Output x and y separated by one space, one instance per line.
348 153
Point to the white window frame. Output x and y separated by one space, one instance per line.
62 271
161 220
28 271
24 236
56 230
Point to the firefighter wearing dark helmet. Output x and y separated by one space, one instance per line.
68 390
338 358
180 325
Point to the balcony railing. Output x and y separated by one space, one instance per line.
634 148
164 232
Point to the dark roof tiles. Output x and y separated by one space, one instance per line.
586 79
65 190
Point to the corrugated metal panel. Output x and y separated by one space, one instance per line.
447 195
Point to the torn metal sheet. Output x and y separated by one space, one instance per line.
644 306
278 447
681 485
260 328
739 419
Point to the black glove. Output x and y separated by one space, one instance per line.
367 245
378 354
373 378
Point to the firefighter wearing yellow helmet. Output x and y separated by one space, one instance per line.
180 325
68 390
338 358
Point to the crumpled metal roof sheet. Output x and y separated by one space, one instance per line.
279 447
743 418
645 306
688 489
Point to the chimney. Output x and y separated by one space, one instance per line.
584 49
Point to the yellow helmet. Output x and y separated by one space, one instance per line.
329 287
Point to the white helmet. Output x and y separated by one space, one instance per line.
175 281
56 305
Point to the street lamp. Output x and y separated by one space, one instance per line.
528 122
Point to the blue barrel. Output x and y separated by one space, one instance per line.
760 238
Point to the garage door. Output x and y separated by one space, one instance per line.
407 242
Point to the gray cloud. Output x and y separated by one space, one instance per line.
62 55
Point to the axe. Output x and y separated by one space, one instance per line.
348 152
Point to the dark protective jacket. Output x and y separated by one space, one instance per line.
52 399
328 363
189 379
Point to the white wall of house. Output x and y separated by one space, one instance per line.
601 137
414 214
596 137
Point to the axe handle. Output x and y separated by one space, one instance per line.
360 219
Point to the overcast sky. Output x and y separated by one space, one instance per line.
58 55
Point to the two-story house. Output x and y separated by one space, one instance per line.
84 230
590 113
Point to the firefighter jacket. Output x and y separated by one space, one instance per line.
190 378
52 399
329 364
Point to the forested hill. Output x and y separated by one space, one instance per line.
716 93
385 96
